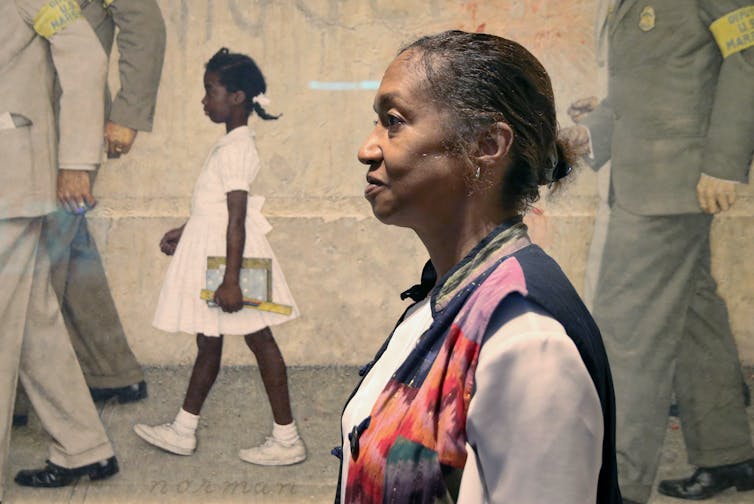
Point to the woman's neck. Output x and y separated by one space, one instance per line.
449 242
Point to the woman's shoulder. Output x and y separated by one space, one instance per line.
526 334
516 314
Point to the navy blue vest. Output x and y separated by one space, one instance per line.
549 288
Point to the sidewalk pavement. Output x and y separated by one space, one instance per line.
237 415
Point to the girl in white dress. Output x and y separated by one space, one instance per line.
226 221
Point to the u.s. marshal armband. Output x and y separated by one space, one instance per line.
55 16
734 31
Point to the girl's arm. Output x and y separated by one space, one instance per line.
228 296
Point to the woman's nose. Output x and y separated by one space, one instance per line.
370 152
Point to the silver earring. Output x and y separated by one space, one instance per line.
477 172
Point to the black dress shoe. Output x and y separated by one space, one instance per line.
53 475
127 394
709 481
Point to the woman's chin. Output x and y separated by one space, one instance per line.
391 219
382 214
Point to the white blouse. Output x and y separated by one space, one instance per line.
534 424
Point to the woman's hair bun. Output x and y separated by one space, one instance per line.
558 165
563 166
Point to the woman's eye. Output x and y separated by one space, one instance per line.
393 121
390 122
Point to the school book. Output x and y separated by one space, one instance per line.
255 281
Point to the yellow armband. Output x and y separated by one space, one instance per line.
107 3
734 31
55 16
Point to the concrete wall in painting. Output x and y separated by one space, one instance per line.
344 268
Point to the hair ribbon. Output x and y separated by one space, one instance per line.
261 99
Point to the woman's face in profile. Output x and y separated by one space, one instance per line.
413 179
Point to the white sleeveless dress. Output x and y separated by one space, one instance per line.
231 165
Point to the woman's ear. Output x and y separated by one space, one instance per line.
494 144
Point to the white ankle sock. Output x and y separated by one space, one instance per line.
186 423
286 434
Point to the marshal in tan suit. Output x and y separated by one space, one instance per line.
78 275
680 103
35 346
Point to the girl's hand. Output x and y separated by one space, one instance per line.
228 297
170 241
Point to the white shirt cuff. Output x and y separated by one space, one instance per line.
591 147
78 166
718 178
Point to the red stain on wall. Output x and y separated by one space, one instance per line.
471 9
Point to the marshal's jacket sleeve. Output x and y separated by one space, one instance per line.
141 44
81 66
730 136
534 424
600 125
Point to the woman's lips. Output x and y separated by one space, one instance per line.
373 186
371 190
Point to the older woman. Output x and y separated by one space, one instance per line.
494 386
